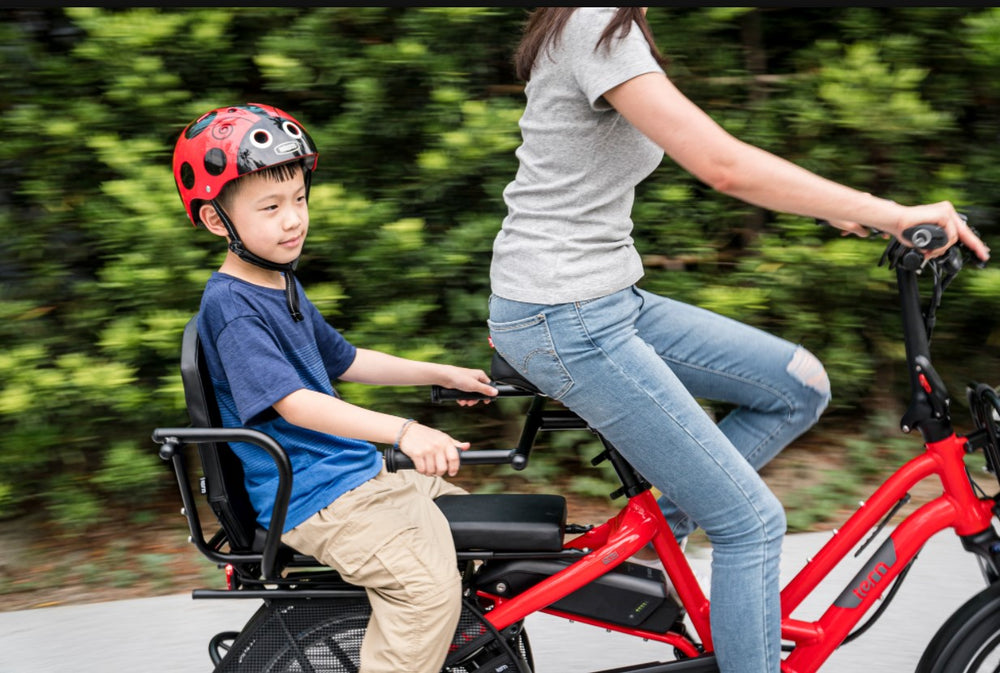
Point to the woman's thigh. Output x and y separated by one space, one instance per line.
720 358
778 389
590 355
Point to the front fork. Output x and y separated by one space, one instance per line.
986 547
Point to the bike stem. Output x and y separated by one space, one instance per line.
929 401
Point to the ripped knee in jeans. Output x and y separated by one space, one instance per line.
806 368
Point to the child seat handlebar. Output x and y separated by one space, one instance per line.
395 459
440 395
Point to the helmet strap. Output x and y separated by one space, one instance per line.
240 250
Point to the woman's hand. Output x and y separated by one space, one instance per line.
945 216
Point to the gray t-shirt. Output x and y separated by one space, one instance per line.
567 234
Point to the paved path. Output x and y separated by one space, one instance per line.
170 634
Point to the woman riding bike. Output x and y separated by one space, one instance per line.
567 313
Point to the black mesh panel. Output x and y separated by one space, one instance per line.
324 636
300 636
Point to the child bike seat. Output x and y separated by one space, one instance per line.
500 522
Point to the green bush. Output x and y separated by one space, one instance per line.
415 112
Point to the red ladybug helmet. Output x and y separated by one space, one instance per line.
230 142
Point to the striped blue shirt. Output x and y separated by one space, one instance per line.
257 355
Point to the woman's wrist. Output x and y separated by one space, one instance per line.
888 215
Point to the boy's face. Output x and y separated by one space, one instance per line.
272 217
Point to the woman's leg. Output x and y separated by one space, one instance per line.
590 356
778 389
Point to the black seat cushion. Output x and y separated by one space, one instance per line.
506 521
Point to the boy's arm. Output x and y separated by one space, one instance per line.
378 368
432 451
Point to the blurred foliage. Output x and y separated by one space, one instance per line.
415 112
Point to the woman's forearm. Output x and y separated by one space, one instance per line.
698 144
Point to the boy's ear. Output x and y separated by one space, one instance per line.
210 218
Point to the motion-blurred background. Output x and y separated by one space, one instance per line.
415 112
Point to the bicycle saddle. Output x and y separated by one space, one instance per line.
502 372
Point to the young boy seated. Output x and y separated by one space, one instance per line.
243 173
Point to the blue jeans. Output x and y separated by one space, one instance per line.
632 365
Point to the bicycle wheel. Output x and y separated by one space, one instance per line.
969 642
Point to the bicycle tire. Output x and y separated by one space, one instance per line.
969 641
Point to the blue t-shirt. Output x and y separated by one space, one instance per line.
256 355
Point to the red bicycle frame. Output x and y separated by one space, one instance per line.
611 543
640 522
958 507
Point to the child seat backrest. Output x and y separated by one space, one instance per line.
223 471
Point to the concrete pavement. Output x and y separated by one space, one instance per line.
170 634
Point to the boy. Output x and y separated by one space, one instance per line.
243 172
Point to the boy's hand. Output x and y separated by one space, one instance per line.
433 452
469 380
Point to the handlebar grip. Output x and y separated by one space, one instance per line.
440 395
396 460
926 237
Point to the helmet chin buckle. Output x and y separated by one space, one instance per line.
288 269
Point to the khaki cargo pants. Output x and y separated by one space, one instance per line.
388 536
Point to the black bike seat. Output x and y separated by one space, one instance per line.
502 372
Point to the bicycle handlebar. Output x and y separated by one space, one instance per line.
924 237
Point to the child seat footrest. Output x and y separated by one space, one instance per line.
505 521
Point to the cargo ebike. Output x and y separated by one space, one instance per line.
519 555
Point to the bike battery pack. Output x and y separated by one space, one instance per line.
628 595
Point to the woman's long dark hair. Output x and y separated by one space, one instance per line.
545 25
